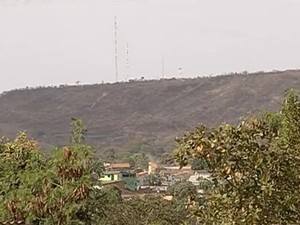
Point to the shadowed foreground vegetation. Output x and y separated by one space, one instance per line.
255 167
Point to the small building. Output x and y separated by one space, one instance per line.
143 179
110 176
130 180
120 166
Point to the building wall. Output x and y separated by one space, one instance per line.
131 182
143 180
120 184
110 177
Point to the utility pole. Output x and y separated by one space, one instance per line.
116 49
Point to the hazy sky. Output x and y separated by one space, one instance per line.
44 42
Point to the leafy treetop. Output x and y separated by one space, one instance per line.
255 167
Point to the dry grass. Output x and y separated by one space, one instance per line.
118 113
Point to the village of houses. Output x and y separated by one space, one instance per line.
136 183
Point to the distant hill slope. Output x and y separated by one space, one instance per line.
117 113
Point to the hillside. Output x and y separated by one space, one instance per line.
117 114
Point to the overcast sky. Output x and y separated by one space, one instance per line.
54 42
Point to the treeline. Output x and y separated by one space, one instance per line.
138 154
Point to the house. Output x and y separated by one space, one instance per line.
143 179
110 176
130 180
119 166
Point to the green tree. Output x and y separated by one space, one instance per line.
141 160
109 155
60 188
40 190
183 191
167 159
22 171
78 131
199 164
255 168
155 179
136 160
152 210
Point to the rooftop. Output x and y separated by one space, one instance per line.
142 173
111 172
120 165
176 168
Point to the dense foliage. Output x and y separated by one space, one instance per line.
182 191
62 189
150 210
40 190
255 168
198 164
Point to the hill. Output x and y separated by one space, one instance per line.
125 114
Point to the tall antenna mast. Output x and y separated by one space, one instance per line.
116 49
127 61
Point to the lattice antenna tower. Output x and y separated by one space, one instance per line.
116 49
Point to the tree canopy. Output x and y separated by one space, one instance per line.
182 191
40 190
255 167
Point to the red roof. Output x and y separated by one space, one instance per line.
142 173
120 165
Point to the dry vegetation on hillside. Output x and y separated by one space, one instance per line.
122 113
